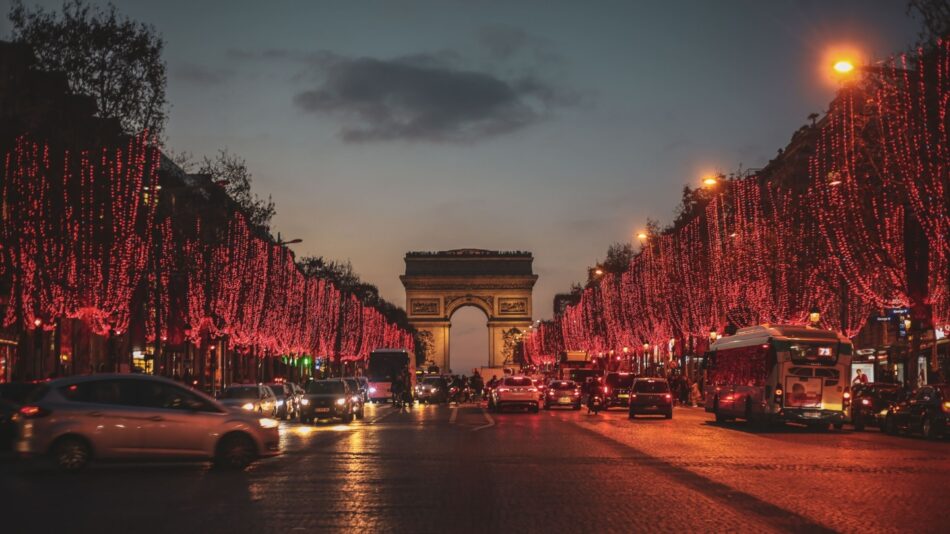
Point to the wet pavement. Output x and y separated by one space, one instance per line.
446 469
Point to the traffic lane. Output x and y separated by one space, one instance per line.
540 473
165 496
846 480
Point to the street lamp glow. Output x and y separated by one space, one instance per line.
598 272
642 235
843 66
710 181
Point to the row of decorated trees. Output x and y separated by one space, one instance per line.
107 236
860 223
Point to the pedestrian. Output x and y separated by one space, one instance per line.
684 388
695 394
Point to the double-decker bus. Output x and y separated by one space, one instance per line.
773 374
383 366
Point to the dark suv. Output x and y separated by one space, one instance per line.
618 389
868 401
327 399
651 396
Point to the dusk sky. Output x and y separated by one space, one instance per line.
553 127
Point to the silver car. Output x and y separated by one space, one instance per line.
251 397
130 416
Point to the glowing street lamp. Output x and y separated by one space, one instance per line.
642 235
710 181
814 315
843 66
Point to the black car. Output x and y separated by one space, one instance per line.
925 410
563 393
868 401
357 390
618 389
651 396
286 399
327 399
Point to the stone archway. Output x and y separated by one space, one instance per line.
500 284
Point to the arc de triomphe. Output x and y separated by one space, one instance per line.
498 283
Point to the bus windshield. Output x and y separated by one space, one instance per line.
385 366
809 352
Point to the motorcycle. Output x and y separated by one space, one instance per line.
595 401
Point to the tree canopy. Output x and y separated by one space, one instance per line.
103 54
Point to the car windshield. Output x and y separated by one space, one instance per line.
518 382
278 389
563 385
240 393
652 386
325 388
432 381
620 380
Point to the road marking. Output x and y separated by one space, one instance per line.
455 414
491 422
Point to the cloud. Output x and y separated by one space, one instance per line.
201 75
424 97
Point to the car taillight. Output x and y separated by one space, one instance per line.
606 389
502 390
32 412
633 395
668 396
867 402
533 390
946 406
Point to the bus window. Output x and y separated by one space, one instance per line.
709 360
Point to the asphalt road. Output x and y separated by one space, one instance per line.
444 469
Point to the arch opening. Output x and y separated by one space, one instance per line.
468 339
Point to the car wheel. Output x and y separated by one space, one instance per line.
577 406
71 454
632 415
536 409
348 418
547 406
859 425
235 451
360 414
838 426
890 425
669 414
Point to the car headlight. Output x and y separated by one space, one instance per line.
341 402
280 403
305 402
267 422
355 399
372 390
433 390
248 406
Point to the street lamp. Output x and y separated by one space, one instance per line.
814 315
713 335
843 66
598 271
641 236
710 180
